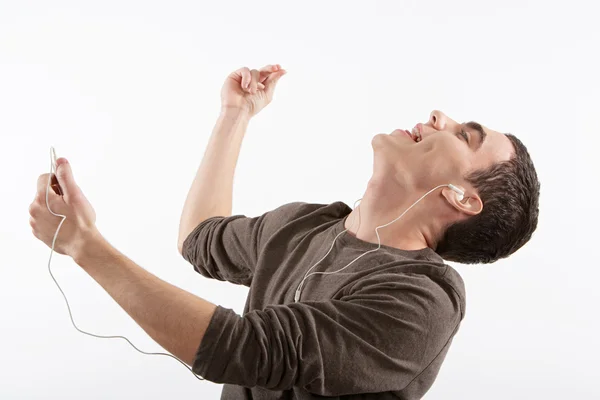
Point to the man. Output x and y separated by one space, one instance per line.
380 328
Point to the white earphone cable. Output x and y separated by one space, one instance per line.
53 170
298 290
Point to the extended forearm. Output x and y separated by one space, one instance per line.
176 319
212 189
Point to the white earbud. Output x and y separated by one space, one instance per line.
459 193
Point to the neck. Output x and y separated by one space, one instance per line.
417 229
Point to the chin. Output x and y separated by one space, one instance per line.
379 137
385 141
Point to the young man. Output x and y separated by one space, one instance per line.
384 324
342 302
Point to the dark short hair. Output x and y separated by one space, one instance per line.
510 193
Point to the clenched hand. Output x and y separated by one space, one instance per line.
250 90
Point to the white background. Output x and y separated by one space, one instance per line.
129 93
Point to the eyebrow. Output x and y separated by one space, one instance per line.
479 129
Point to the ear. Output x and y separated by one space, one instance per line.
471 203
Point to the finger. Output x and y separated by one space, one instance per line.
66 180
42 182
246 78
268 70
272 80
261 86
255 78
53 195
244 75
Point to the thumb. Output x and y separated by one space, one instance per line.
64 174
272 80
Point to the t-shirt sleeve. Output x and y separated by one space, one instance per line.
378 338
227 248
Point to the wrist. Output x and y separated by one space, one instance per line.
235 111
92 244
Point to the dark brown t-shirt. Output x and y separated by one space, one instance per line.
379 329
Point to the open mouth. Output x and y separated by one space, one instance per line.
414 136
407 134
416 133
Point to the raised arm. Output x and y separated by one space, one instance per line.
245 93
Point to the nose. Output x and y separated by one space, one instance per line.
438 120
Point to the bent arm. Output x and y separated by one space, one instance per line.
212 189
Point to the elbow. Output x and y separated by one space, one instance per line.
183 235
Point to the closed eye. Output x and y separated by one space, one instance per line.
464 135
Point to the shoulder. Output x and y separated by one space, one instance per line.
302 208
304 213
436 287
